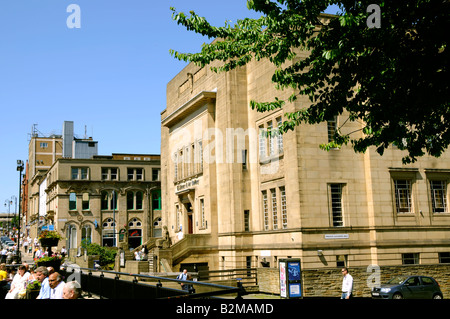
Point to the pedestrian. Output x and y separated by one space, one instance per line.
19 283
56 284
25 246
72 290
347 284
3 273
184 276
42 275
63 251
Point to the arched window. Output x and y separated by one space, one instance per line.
86 234
71 235
108 230
134 233
109 200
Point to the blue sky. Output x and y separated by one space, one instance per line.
109 76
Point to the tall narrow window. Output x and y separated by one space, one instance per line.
202 213
271 138
265 210
72 201
156 199
130 200
439 196
246 220
403 195
262 141
200 153
85 202
139 200
283 207
244 159
273 196
104 200
175 166
331 126
336 205
279 135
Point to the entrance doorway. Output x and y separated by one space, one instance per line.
190 224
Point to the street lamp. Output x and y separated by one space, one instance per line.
19 169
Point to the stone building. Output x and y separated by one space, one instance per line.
99 198
234 198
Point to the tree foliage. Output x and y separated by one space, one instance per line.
392 79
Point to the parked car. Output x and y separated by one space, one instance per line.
409 287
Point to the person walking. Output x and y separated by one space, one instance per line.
183 276
187 277
347 284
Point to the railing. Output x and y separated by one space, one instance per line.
247 276
107 284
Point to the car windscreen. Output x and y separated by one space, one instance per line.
397 280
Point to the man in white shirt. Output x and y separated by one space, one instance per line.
347 284
56 285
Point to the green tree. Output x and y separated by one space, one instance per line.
393 79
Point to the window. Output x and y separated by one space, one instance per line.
336 205
279 136
110 174
178 218
202 213
265 210
403 195
43 145
86 234
341 261
155 174
246 220
283 208
244 159
273 195
331 127
72 201
139 200
135 174
444 258
439 196
79 173
109 200
130 200
156 199
271 138
175 161
410 259
85 202
135 200
262 141
108 233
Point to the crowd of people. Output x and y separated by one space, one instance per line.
24 281
45 280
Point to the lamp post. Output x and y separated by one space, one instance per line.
20 169
8 202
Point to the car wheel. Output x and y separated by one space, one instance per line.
437 296
397 296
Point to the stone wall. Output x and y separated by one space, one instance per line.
327 282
